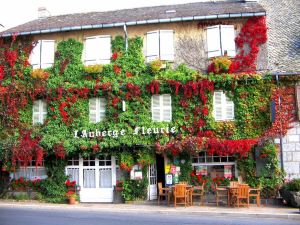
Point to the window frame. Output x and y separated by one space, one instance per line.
224 104
98 111
167 56
39 64
41 113
98 58
220 51
161 108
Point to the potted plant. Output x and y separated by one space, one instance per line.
290 192
72 197
119 185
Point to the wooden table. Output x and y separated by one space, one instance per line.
232 195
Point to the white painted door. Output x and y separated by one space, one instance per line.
152 189
96 178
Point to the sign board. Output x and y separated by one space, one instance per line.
228 171
169 179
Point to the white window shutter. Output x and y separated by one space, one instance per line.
102 107
217 101
166 108
152 46
39 112
229 108
93 110
227 38
97 108
47 53
166 45
213 41
35 56
91 50
155 103
104 53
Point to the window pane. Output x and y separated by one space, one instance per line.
152 46
105 49
166 45
213 41
227 37
89 178
47 53
105 179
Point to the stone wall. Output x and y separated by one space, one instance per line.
291 152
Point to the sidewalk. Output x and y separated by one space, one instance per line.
252 211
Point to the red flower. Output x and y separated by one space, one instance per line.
128 74
115 56
117 69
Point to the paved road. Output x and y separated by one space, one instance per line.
58 216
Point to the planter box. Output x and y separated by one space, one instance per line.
291 197
16 194
118 198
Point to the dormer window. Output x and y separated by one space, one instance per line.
42 55
220 41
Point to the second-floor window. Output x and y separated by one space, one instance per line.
220 40
97 108
160 45
42 55
97 50
161 106
223 107
39 112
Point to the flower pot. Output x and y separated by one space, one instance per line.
72 201
119 188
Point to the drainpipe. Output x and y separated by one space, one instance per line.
280 137
126 37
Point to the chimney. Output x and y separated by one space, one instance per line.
43 12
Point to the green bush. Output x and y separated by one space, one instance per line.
293 185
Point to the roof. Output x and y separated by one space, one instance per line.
137 16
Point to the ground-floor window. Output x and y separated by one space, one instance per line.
214 166
29 172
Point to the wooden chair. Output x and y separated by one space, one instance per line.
180 192
183 182
221 192
243 194
234 183
198 191
255 192
163 192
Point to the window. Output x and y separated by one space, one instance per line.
97 109
160 45
97 50
161 108
223 107
220 40
42 55
30 171
39 112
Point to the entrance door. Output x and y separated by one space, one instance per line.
96 178
152 191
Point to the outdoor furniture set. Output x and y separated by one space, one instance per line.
236 194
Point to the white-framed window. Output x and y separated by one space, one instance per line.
160 45
97 108
42 55
30 171
161 106
223 107
97 50
39 112
220 40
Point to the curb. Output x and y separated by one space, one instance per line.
123 208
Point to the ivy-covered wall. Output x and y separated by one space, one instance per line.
68 86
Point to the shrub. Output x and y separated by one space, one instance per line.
293 185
